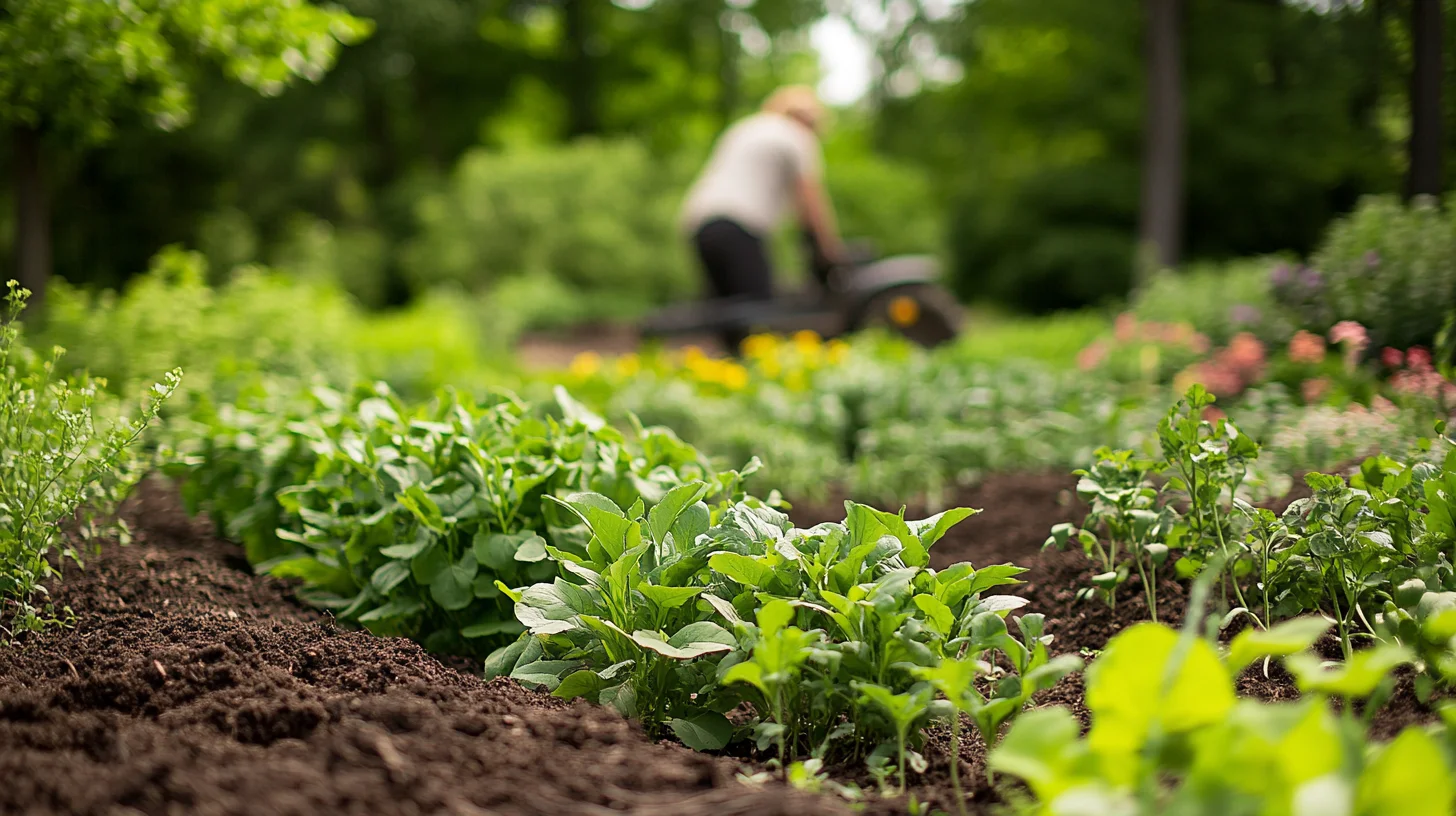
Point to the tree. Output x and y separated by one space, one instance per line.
1160 231
1427 41
69 68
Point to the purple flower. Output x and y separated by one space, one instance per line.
1372 259
1311 278
1243 314
1281 274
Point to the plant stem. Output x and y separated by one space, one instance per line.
955 761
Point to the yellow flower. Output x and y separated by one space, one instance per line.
759 345
770 367
806 341
628 364
734 376
585 364
796 381
837 351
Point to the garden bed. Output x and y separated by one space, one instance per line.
190 684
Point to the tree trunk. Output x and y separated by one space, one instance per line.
728 84
1425 99
1160 231
580 79
32 216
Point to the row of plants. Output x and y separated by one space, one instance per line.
1169 735
1371 553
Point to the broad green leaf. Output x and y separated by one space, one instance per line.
1409 777
497 551
397 608
741 568
495 627
994 576
389 576
533 549
584 683
415 500
665 513
1042 750
410 550
933 529
654 641
1127 692
454 588
938 613
503 660
546 673
773 616
750 673
702 632
707 731
430 563
691 523
1354 679
666 597
1286 638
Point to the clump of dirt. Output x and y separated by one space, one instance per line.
190 685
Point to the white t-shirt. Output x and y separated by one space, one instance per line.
752 174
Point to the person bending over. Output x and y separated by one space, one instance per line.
763 169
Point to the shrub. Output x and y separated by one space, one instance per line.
58 469
257 321
1218 299
601 217
1387 266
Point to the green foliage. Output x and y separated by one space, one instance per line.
599 217
1217 299
257 322
61 470
409 520
1168 736
1389 267
75 67
260 324
1039 148
836 634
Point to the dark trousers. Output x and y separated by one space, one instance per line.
737 265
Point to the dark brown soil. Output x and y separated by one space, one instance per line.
192 686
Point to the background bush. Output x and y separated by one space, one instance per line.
1218 299
1388 266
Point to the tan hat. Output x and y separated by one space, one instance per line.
800 102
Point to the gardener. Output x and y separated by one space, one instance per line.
763 168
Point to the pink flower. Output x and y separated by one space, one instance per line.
1213 414
1306 348
1381 405
1418 358
1220 380
1314 389
1125 327
1391 357
1349 332
1091 356
1199 343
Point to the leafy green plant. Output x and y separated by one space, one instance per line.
1122 508
1169 736
59 468
838 636
406 518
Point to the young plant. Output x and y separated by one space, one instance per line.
57 468
1123 508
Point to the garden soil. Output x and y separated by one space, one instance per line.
190 685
